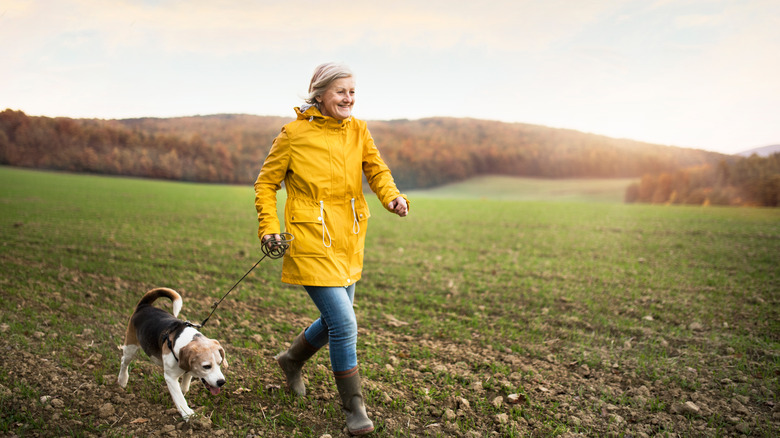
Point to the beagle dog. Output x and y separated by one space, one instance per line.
176 345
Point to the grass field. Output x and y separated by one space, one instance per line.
506 188
478 317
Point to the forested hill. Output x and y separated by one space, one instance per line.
434 151
422 153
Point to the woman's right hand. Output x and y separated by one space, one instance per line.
268 237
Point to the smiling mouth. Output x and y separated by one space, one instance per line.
214 389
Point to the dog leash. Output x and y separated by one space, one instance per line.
272 248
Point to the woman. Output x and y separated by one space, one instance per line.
321 158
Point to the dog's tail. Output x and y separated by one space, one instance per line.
153 294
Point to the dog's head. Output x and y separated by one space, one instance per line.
204 359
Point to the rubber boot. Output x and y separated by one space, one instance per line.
348 383
291 361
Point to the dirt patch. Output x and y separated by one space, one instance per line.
458 389
54 382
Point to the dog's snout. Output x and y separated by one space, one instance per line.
220 382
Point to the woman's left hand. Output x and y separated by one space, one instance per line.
398 206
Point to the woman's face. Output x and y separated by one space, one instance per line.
338 99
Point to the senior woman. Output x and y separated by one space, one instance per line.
321 157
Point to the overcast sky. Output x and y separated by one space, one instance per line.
692 73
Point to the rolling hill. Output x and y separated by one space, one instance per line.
230 148
764 151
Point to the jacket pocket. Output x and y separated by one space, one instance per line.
360 225
307 227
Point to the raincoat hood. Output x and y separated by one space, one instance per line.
310 112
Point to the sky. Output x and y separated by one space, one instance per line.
702 74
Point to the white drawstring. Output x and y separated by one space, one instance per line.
355 219
324 227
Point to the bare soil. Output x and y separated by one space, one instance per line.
452 392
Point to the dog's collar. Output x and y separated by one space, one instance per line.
167 335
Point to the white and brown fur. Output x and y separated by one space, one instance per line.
181 350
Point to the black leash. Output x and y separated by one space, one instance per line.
274 249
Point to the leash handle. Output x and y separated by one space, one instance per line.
272 248
276 248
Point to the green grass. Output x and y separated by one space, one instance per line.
509 188
498 293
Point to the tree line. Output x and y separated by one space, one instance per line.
435 151
153 148
230 148
747 181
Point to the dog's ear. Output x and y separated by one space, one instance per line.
222 353
186 355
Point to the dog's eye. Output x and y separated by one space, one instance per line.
207 367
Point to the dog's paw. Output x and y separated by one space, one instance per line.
198 422
189 414
122 381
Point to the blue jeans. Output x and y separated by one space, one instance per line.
336 325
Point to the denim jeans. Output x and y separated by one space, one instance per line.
336 325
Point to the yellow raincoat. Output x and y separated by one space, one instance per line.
321 161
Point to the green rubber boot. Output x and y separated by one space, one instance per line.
291 361
348 383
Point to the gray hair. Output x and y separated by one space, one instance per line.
323 76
